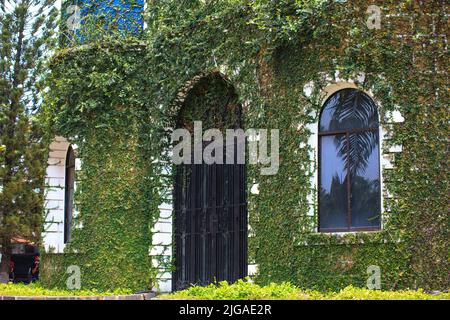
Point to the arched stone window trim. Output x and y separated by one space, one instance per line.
313 143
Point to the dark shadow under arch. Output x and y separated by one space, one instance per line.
69 190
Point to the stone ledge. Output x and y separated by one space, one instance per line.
135 297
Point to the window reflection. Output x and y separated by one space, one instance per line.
365 187
349 109
333 181
350 195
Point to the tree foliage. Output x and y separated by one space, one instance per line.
27 30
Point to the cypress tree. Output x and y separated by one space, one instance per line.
27 31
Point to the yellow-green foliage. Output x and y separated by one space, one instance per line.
36 290
285 291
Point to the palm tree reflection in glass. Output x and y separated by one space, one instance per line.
350 196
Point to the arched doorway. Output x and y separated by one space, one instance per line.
210 202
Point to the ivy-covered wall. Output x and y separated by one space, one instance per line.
116 99
111 233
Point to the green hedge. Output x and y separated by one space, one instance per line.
37 290
248 291
239 291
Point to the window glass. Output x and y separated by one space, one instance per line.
348 109
69 194
349 191
333 182
365 182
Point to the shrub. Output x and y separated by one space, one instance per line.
36 290
352 293
243 290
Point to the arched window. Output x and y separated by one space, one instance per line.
69 193
349 163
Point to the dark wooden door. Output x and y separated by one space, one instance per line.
210 224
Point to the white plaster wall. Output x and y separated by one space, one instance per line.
161 251
53 236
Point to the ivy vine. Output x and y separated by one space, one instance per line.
117 98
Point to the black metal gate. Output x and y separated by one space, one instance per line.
210 224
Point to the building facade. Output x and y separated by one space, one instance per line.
351 197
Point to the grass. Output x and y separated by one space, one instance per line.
243 290
36 290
